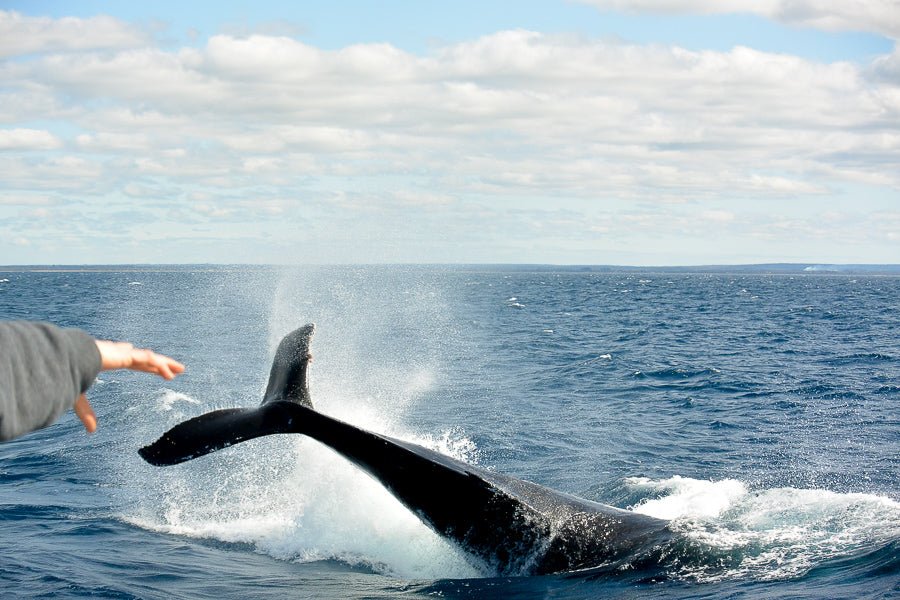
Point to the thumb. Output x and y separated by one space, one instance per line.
84 412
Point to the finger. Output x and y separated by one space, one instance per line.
85 413
163 369
151 362
176 367
168 368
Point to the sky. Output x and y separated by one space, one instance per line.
621 132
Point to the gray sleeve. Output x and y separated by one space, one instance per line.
43 369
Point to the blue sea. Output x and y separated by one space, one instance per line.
758 412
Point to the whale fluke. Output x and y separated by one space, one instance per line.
287 379
216 430
288 385
512 526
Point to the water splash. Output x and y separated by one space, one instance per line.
170 398
731 532
293 499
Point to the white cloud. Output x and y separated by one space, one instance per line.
22 35
878 16
25 200
277 138
717 216
213 211
260 57
104 141
888 67
581 114
518 120
28 139
422 199
783 185
261 164
59 173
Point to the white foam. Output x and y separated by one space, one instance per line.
767 534
687 497
169 398
300 501
292 498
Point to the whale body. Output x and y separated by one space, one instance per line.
509 525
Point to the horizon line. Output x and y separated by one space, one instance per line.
808 266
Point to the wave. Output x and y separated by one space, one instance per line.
859 358
730 532
676 373
293 499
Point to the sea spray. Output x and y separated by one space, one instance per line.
293 499
731 532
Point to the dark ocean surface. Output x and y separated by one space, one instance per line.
758 411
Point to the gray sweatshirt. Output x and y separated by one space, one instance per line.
43 369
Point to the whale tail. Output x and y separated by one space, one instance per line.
512 525
216 430
287 389
287 379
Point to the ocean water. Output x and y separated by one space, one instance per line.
758 412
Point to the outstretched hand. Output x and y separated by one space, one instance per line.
123 355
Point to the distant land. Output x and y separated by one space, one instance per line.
770 268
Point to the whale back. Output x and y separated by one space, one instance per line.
287 379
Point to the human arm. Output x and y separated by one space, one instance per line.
45 370
123 355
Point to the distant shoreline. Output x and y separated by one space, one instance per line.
769 268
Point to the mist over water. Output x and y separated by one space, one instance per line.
376 351
756 412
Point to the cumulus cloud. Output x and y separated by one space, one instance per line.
28 139
473 128
22 35
877 16
514 89
888 67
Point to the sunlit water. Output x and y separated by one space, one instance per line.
758 413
